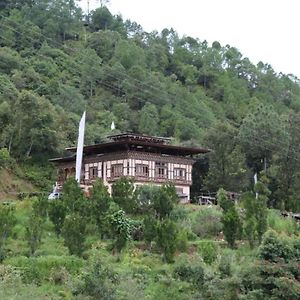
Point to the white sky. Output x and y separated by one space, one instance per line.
263 30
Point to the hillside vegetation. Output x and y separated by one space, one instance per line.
143 245
54 65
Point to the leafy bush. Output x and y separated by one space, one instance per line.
130 288
57 212
121 229
59 275
137 230
34 231
73 232
40 207
274 248
166 239
179 213
190 270
7 222
165 201
207 222
145 197
225 264
98 280
40 269
168 288
182 241
73 198
123 194
232 226
208 250
150 229
6 161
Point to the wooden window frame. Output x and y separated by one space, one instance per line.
93 173
179 174
117 170
141 170
161 170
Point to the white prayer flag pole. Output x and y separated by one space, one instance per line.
80 147
255 182
112 126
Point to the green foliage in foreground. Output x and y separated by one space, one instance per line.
166 239
73 232
7 222
34 231
231 222
208 270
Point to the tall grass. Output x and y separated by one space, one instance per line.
281 224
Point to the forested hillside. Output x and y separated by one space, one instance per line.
55 63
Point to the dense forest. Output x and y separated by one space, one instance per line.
55 63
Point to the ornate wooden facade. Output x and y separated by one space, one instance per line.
146 159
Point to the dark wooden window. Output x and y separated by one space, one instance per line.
141 170
117 170
179 173
161 170
93 172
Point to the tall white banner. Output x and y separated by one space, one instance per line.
80 147
255 182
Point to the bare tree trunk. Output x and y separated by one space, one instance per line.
29 149
10 143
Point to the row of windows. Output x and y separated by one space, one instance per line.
141 170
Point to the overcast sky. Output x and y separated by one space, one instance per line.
266 30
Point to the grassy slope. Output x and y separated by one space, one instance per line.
11 185
52 273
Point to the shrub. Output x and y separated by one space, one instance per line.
231 226
208 251
207 222
225 265
98 281
296 248
59 275
7 222
168 288
150 229
40 207
165 201
137 230
100 201
145 197
41 269
182 241
225 203
274 248
73 198
189 270
34 231
166 239
130 288
123 194
121 229
5 159
231 223
57 212
73 232
9 273
179 213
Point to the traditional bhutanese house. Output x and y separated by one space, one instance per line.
146 159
